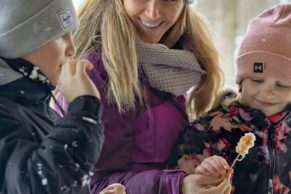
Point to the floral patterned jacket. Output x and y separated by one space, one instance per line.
267 166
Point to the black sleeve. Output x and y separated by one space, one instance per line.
191 142
61 163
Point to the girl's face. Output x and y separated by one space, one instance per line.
266 93
50 57
153 18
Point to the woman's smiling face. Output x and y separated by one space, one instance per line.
153 18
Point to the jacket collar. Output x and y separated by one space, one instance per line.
7 75
253 116
23 82
261 121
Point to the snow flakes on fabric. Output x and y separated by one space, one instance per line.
85 180
35 74
44 180
90 120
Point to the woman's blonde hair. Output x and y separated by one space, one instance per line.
200 41
104 24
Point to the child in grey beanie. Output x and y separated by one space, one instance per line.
40 151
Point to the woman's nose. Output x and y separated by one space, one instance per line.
153 9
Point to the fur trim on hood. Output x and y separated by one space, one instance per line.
225 97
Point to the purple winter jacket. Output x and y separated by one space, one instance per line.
138 143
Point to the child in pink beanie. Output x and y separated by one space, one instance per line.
261 107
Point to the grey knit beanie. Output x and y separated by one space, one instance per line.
26 25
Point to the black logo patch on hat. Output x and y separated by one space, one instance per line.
65 18
258 67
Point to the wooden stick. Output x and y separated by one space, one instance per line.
233 163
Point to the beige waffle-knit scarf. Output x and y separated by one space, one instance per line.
169 70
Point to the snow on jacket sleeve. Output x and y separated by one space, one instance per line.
58 163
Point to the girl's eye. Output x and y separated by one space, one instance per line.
257 80
283 85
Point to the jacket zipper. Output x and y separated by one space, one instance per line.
272 158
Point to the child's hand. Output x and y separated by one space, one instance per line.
200 184
75 82
115 188
188 164
215 166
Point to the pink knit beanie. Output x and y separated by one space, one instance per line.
266 47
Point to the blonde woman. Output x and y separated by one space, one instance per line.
146 55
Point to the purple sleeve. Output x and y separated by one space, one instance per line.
144 182
60 102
